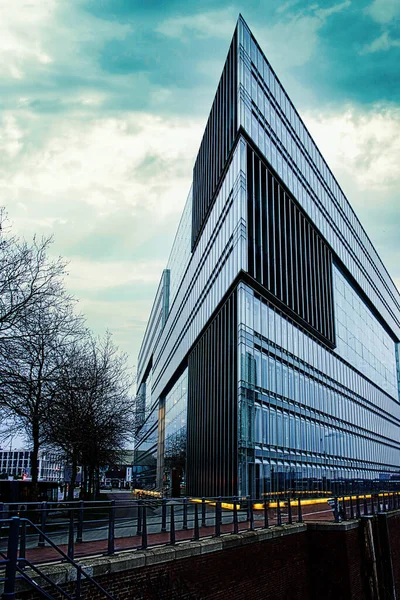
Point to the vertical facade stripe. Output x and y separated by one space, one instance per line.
217 142
287 256
212 393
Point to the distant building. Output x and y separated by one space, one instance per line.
18 463
269 359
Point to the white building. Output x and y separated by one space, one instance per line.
18 463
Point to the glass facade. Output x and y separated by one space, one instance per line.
307 419
174 434
271 358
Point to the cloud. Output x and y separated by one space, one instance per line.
384 11
21 43
95 275
362 148
383 43
213 24
366 144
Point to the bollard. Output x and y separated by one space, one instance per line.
266 522
203 512
111 529
278 513
290 520
185 513
144 529
217 518
139 517
172 527
12 558
235 516
163 515
299 511
336 510
70 550
79 532
196 535
43 517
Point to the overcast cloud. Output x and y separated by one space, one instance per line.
103 104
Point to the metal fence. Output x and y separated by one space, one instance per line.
33 533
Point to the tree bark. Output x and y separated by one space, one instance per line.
34 461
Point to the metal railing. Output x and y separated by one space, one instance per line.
68 531
15 562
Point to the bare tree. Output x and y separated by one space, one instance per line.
37 325
27 276
91 415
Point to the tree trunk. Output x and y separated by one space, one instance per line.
34 462
90 490
73 477
96 486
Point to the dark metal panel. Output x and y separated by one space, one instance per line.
286 254
216 144
212 392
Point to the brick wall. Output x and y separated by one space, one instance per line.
320 560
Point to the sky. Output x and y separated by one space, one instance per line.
102 108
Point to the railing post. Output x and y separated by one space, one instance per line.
163 515
196 532
266 522
344 509
299 511
365 505
43 517
351 507
290 519
185 513
172 526
372 504
278 513
248 507
78 582
22 542
70 551
203 513
79 532
251 515
235 516
358 508
144 529
217 518
139 517
336 510
12 558
111 529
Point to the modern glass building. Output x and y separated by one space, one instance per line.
270 361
